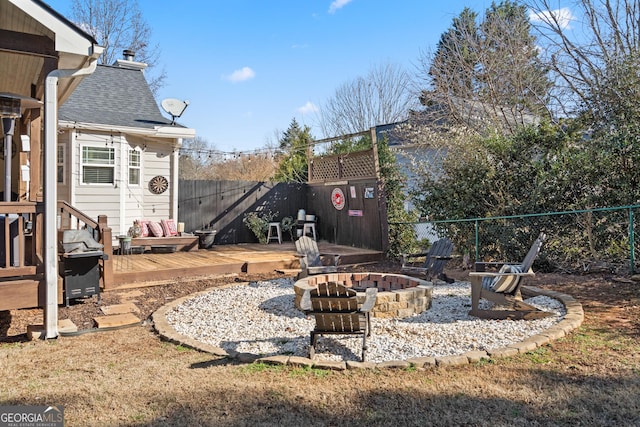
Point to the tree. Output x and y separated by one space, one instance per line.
596 69
292 158
383 96
597 75
486 76
118 25
195 161
246 167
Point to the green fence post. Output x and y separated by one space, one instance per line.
632 257
477 243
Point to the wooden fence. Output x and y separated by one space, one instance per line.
221 205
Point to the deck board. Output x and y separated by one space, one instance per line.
224 259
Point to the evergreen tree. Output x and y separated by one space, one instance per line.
486 76
293 163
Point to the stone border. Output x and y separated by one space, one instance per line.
572 320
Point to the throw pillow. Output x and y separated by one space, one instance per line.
155 229
169 227
506 284
144 223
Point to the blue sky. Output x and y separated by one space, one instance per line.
248 67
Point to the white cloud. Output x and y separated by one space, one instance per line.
241 75
338 4
308 108
563 16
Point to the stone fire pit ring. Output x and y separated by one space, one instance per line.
399 296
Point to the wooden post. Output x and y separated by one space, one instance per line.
382 198
107 264
35 185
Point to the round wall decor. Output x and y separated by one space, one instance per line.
337 198
158 184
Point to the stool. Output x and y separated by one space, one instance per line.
309 227
278 232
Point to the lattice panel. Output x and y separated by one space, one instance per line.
358 165
353 165
325 169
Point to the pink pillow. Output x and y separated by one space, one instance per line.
169 227
144 224
156 229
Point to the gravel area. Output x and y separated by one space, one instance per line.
260 318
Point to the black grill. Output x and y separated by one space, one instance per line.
80 267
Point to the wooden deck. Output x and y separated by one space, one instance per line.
225 259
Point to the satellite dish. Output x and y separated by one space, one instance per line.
174 107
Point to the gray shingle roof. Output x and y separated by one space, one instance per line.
114 96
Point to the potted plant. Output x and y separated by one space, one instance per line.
259 224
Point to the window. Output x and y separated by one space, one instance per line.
60 161
98 165
134 167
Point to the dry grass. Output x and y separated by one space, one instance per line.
131 378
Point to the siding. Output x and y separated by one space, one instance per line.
121 202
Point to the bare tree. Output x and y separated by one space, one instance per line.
383 96
118 25
485 75
259 166
593 50
196 161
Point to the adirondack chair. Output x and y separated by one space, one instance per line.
335 308
311 261
503 288
435 260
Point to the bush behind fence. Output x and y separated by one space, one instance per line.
601 239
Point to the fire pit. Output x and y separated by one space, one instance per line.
399 296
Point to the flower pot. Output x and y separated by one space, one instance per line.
205 238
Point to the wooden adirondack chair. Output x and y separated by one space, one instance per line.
311 261
335 308
503 288
434 260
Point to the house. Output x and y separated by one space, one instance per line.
43 58
117 155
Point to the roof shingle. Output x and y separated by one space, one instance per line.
114 96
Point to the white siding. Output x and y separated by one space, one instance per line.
121 202
156 160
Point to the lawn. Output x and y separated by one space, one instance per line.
130 377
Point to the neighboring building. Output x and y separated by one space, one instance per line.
117 154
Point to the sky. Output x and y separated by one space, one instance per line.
249 67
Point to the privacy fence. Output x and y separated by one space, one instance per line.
221 205
601 239
359 220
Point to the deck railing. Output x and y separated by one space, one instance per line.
70 218
20 241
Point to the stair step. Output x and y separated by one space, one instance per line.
114 320
36 332
128 307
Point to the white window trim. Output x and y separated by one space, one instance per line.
139 167
82 166
61 164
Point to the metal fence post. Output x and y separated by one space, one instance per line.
632 257
477 242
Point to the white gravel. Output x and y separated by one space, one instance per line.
260 318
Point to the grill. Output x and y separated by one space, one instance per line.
80 266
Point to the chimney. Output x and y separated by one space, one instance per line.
128 61
128 54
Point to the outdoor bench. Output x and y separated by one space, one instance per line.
182 243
